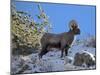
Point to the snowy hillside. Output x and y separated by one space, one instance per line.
52 61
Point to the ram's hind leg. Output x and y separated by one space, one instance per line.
43 51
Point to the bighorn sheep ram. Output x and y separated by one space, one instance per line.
62 41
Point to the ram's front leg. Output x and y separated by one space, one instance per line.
43 51
63 45
66 50
62 51
66 59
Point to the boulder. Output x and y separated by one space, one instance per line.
84 58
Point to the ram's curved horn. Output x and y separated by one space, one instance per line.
72 24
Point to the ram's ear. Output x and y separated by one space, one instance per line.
73 24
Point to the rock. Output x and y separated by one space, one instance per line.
84 58
68 59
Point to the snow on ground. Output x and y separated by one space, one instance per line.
50 61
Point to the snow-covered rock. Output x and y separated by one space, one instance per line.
84 58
